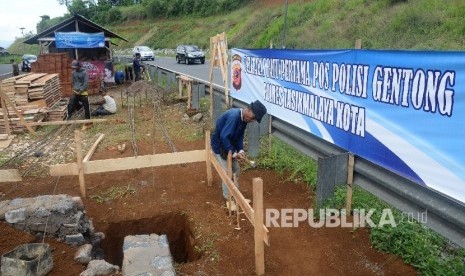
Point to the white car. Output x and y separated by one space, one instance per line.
145 52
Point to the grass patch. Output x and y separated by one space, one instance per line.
283 158
113 193
416 244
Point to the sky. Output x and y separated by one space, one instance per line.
15 14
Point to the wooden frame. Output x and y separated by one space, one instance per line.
219 58
255 215
184 80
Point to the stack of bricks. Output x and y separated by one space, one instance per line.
60 63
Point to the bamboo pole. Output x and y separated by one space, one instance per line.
82 183
258 231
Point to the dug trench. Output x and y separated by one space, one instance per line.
174 225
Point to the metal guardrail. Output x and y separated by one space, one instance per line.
445 215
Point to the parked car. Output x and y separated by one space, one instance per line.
189 54
28 59
145 52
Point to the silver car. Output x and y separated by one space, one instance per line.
145 52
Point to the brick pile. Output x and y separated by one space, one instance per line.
60 63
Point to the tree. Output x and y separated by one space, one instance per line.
65 2
79 7
43 24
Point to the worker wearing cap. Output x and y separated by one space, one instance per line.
79 82
229 135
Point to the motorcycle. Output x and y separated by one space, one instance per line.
26 66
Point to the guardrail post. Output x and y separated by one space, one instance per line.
253 134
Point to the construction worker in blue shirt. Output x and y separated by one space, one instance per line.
229 135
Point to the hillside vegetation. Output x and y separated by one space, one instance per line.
317 24
311 24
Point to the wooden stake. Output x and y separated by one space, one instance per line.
230 177
212 64
240 199
189 94
93 148
258 221
350 179
82 183
238 209
207 158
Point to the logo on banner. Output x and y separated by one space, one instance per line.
236 71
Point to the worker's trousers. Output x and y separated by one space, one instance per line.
235 170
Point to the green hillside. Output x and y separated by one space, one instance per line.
311 24
318 24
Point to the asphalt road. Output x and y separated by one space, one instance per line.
5 68
197 70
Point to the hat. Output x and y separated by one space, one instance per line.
75 64
258 109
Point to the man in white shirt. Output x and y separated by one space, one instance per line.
107 105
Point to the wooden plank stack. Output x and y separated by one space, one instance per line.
8 87
32 95
22 86
58 111
47 88
31 115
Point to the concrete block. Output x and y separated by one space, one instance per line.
147 255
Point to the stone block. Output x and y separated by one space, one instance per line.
15 216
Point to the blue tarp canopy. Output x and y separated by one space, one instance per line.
79 40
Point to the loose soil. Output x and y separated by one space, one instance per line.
176 200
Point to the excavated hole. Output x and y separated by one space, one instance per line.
174 225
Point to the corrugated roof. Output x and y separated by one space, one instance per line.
84 24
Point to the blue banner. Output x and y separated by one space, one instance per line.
79 40
403 110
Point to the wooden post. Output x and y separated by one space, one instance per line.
258 222
189 94
238 210
82 183
208 161
180 87
230 177
350 179
212 64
